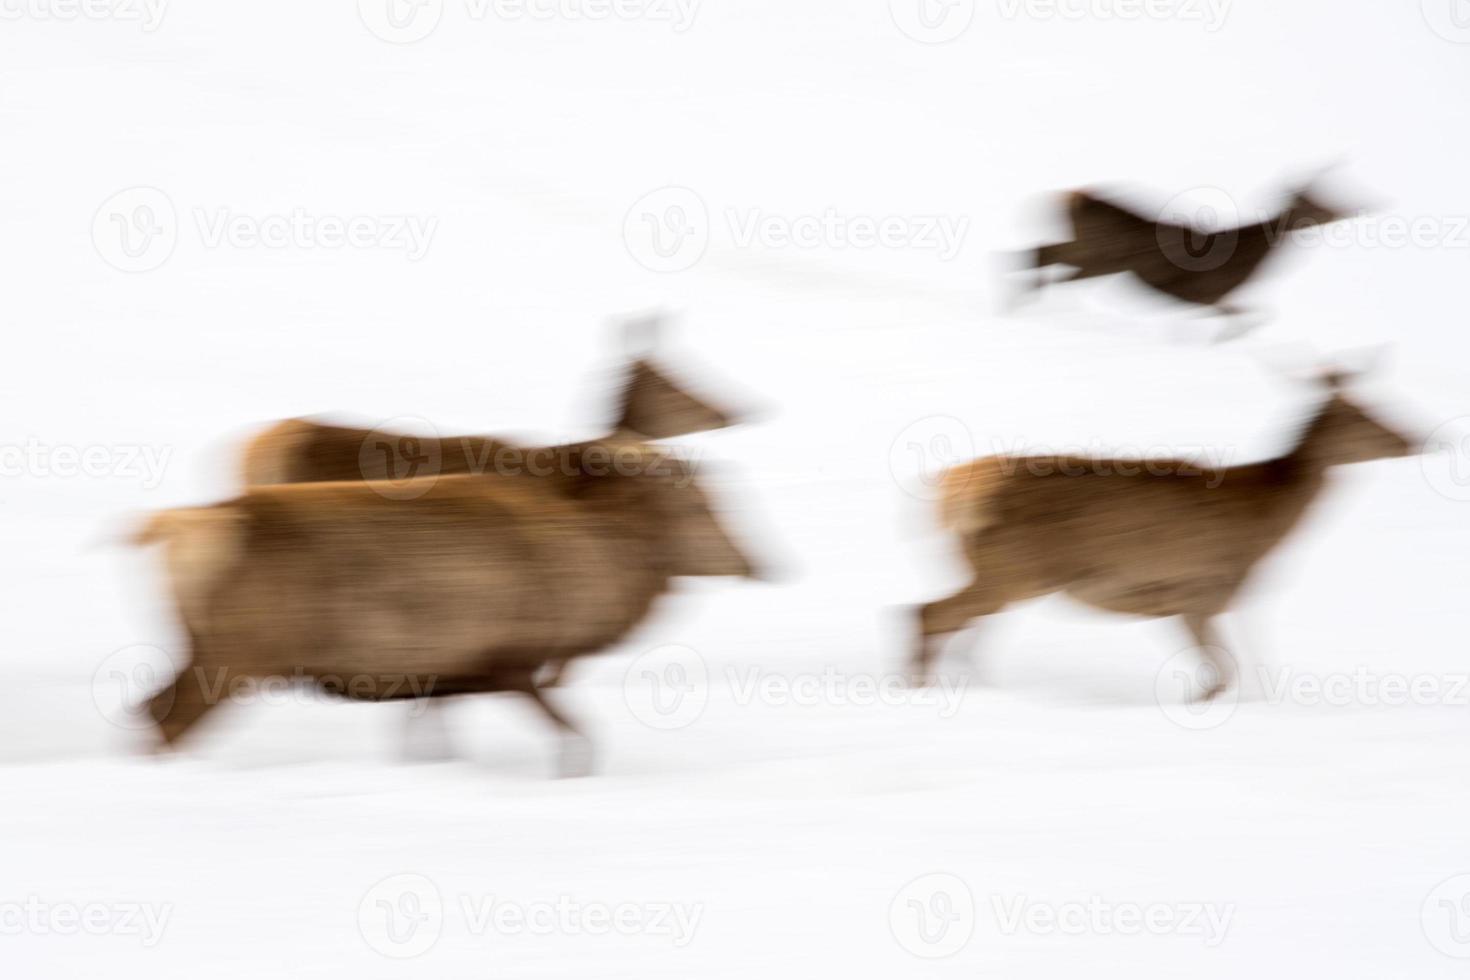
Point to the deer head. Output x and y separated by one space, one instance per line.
1344 432
1307 208
655 492
653 405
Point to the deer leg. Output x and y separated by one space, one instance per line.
1041 260
1201 626
177 708
575 758
939 619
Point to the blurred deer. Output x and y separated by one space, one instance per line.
1195 265
651 405
470 587
1166 538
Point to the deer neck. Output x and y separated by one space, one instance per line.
1304 470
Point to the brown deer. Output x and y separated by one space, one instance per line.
652 406
1195 265
468 587
1167 538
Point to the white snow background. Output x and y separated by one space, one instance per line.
1331 835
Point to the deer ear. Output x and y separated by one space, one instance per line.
1356 364
655 407
1314 176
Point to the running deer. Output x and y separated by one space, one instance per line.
1196 265
1166 539
470 586
652 407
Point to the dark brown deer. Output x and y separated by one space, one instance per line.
1195 265
1166 539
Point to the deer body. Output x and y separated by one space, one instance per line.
652 405
1168 539
1190 264
469 587
303 451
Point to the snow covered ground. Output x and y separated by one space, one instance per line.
261 210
